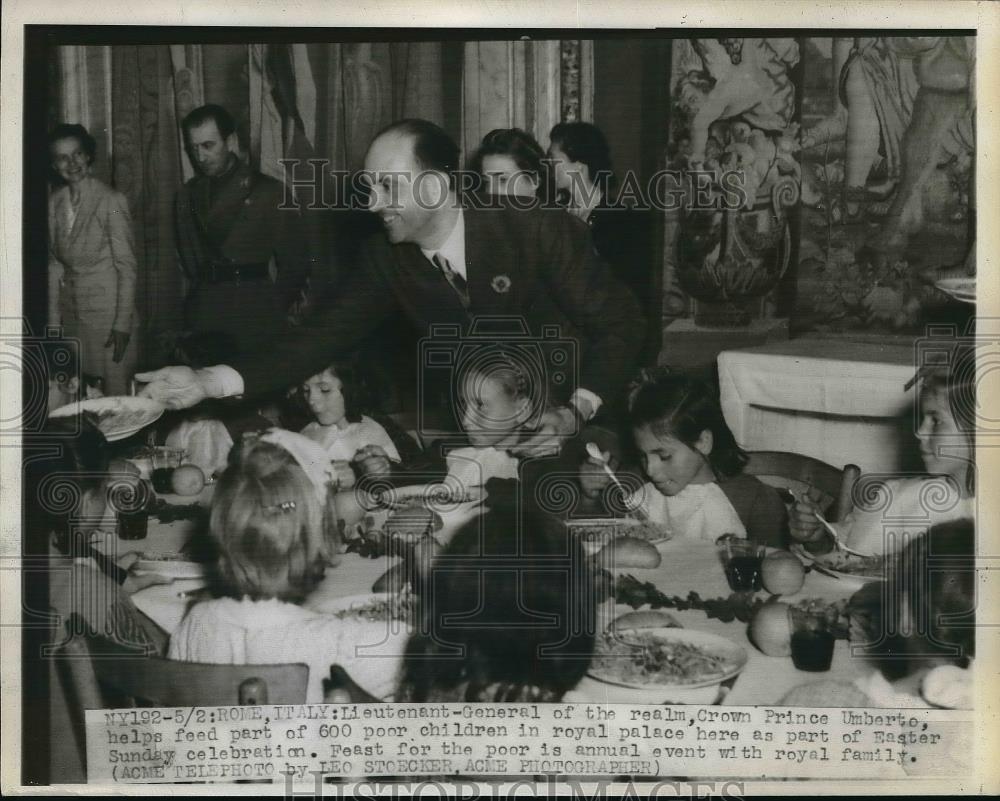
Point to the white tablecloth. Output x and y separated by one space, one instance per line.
686 566
840 401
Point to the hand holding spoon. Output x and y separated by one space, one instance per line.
595 453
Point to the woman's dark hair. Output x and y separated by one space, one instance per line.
75 131
583 142
508 607
223 120
519 145
74 463
932 584
680 405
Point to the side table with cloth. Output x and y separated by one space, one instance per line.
840 401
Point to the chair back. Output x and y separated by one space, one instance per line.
798 473
106 673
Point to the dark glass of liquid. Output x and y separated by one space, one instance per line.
743 573
812 649
131 503
163 480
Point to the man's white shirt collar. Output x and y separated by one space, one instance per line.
453 248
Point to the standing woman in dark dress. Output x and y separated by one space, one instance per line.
584 183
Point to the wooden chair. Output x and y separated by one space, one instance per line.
798 473
103 674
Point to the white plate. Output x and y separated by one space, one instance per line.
440 496
963 289
118 417
734 655
167 565
808 559
597 523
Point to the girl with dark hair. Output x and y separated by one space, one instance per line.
92 262
510 161
335 399
696 487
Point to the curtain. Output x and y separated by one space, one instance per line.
320 101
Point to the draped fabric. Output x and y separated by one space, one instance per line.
320 101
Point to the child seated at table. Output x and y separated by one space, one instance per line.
695 485
509 614
947 447
271 522
495 398
67 490
354 442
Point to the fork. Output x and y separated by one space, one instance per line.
801 496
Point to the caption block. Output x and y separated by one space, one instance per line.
306 743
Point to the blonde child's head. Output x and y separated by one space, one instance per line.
271 527
680 432
947 422
496 400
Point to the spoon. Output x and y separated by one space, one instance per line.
595 453
836 537
802 497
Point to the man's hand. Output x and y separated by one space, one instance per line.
557 425
118 340
174 387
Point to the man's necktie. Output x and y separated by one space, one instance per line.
455 279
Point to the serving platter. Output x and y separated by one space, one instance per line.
117 417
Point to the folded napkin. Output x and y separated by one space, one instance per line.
697 512
473 467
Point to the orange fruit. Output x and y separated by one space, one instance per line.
187 480
771 629
782 573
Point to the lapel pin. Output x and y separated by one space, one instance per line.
501 284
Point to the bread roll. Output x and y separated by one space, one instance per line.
393 580
629 552
648 619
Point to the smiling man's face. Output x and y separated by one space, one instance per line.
406 198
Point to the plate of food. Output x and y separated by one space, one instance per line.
664 658
846 565
440 496
116 417
963 289
371 607
173 565
596 532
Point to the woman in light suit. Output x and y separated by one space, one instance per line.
92 264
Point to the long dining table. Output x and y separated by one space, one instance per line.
686 566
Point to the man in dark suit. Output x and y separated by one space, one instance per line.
243 255
444 259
